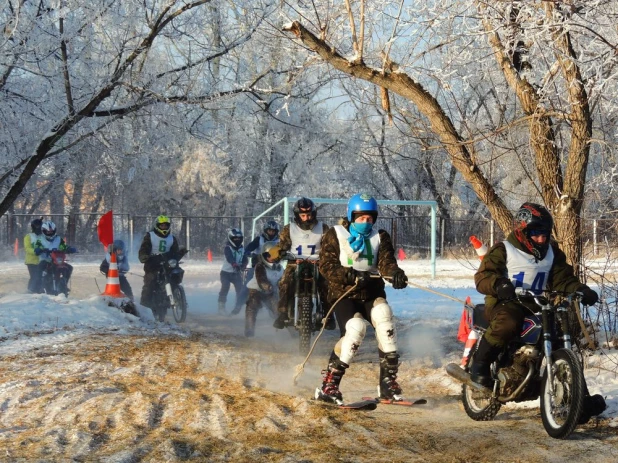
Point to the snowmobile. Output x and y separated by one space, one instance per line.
539 363
169 292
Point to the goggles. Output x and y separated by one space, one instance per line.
539 233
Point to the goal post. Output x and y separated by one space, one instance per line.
288 201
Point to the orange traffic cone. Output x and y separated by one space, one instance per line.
472 337
479 247
112 288
401 255
16 248
209 256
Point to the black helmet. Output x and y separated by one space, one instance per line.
235 237
36 225
305 206
270 225
533 217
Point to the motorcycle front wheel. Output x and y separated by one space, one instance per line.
305 323
61 286
179 309
560 411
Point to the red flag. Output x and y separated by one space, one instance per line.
105 229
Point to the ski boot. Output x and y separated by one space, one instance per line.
281 321
221 307
389 388
329 392
236 310
250 316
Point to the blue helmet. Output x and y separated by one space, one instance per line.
362 203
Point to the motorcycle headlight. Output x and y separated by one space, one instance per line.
173 263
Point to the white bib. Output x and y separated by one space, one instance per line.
306 242
524 272
160 245
368 260
237 254
273 277
53 244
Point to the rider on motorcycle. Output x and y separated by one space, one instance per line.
123 266
49 242
152 252
302 237
350 253
528 259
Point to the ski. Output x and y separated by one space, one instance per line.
365 404
402 403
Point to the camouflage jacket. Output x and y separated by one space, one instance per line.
336 274
493 267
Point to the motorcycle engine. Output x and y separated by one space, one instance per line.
511 376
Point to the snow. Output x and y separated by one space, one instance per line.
30 321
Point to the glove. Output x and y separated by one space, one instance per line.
399 279
71 250
39 251
590 296
505 289
153 262
358 278
236 267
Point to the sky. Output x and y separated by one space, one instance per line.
31 321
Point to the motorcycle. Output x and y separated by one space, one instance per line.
540 363
306 310
56 274
169 292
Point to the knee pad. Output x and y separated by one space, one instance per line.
347 346
382 321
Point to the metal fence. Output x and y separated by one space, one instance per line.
201 233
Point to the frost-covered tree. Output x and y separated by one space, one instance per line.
71 70
509 91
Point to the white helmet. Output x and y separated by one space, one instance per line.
49 230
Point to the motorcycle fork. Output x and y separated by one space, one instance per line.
547 347
297 278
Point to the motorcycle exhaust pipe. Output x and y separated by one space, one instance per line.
461 375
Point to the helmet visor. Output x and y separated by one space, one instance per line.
48 232
163 226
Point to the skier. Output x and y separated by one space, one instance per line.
155 245
32 260
270 234
351 253
262 287
235 262
123 266
303 238
534 262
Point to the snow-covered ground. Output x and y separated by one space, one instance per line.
427 322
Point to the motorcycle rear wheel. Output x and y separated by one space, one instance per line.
561 412
480 406
179 309
305 325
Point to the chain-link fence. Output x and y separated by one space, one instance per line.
412 233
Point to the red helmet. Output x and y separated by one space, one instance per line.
531 218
